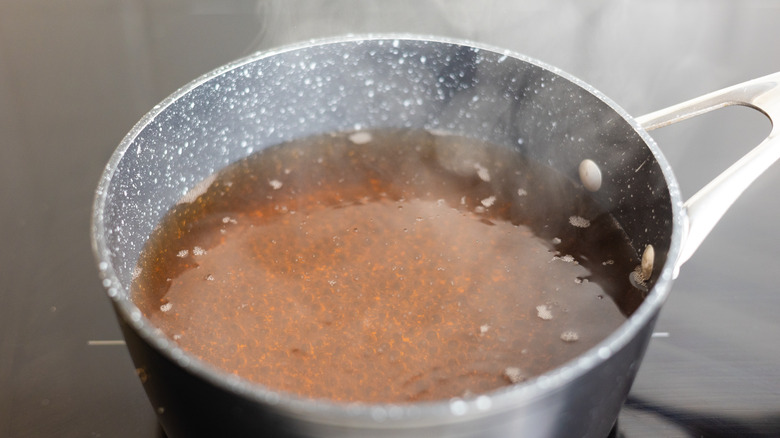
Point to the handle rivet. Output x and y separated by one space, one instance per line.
590 175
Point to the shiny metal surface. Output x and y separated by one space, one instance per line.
75 76
705 208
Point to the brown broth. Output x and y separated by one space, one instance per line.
387 266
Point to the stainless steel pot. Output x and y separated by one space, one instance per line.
406 81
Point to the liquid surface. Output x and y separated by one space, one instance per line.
386 267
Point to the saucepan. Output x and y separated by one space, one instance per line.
406 81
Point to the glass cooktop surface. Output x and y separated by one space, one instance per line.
75 76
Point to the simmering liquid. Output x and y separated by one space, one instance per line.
386 266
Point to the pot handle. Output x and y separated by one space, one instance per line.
705 208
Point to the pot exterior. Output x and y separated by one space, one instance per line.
344 85
189 406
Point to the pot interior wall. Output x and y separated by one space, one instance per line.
267 99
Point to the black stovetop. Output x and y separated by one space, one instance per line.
75 76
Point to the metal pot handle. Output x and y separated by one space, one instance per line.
707 206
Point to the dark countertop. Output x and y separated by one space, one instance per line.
75 76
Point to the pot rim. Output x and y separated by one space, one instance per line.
385 415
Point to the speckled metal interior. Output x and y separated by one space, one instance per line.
379 83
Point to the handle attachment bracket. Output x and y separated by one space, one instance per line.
705 208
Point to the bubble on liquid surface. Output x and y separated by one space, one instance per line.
637 279
275 184
514 374
579 221
183 253
489 201
566 258
522 192
198 251
570 336
166 307
544 312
